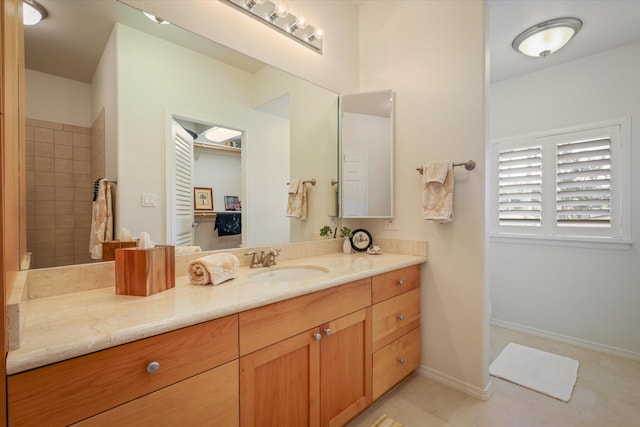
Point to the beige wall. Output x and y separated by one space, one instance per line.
431 53
59 190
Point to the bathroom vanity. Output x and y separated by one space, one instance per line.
312 352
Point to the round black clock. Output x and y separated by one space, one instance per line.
361 240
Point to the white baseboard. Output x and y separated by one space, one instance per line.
568 340
483 394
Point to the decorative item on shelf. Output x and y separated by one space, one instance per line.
345 232
202 199
232 203
361 240
374 250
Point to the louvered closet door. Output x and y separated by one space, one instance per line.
183 187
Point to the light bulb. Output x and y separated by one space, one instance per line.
316 35
250 4
300 24
280 11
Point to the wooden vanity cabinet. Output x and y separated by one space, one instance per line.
70 391
396 327
321 376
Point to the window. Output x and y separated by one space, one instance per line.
570 184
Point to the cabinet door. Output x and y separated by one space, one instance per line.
280 384
210 398
345 366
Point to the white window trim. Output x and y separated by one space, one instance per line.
548 234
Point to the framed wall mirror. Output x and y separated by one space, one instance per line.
127 76
366 155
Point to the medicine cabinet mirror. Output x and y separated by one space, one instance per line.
366 155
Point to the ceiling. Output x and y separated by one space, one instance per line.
607 24
52 48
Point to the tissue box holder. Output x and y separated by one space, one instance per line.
144 272
109 248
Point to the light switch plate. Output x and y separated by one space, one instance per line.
149 199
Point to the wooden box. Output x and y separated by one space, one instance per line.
144 272
109 248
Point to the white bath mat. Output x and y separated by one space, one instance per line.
537 370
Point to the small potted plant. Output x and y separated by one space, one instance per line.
324 231
346 245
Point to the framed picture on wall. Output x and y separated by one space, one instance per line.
231 203
202 199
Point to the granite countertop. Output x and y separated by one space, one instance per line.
60 327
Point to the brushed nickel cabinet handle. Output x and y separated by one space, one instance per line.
327 331
400 317
317 336
153 367
400 282
401 360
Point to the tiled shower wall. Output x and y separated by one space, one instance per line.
59 173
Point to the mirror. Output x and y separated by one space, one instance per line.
108 113
366 155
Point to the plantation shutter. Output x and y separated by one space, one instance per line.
584 183
520 186
183 188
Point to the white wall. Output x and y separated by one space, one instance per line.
104 95
230 27
57 99
577 293
152 84
220 171
431 53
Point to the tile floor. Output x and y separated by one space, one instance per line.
607 394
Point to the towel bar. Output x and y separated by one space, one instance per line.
312 182
469 165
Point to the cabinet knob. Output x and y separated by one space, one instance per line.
401 360
317 336
400 317
153 367
400 282
327 331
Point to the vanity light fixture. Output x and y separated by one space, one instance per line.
543 39
300 24
33 12
250 4
275 14
156 19
279 11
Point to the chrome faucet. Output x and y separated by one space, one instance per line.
260 259
270 257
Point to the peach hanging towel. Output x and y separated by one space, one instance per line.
102 220
437 197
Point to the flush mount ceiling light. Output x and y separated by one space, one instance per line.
277 15
543 39
33 12
216 134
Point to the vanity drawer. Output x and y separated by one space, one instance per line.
387 285
275 322
395 361
69 391
395 317
210 398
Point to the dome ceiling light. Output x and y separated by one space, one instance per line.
543 39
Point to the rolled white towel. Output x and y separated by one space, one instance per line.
213 269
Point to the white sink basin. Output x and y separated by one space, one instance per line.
289 274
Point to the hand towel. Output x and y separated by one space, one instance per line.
102 219
228 224
437 196
297 202
213 269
